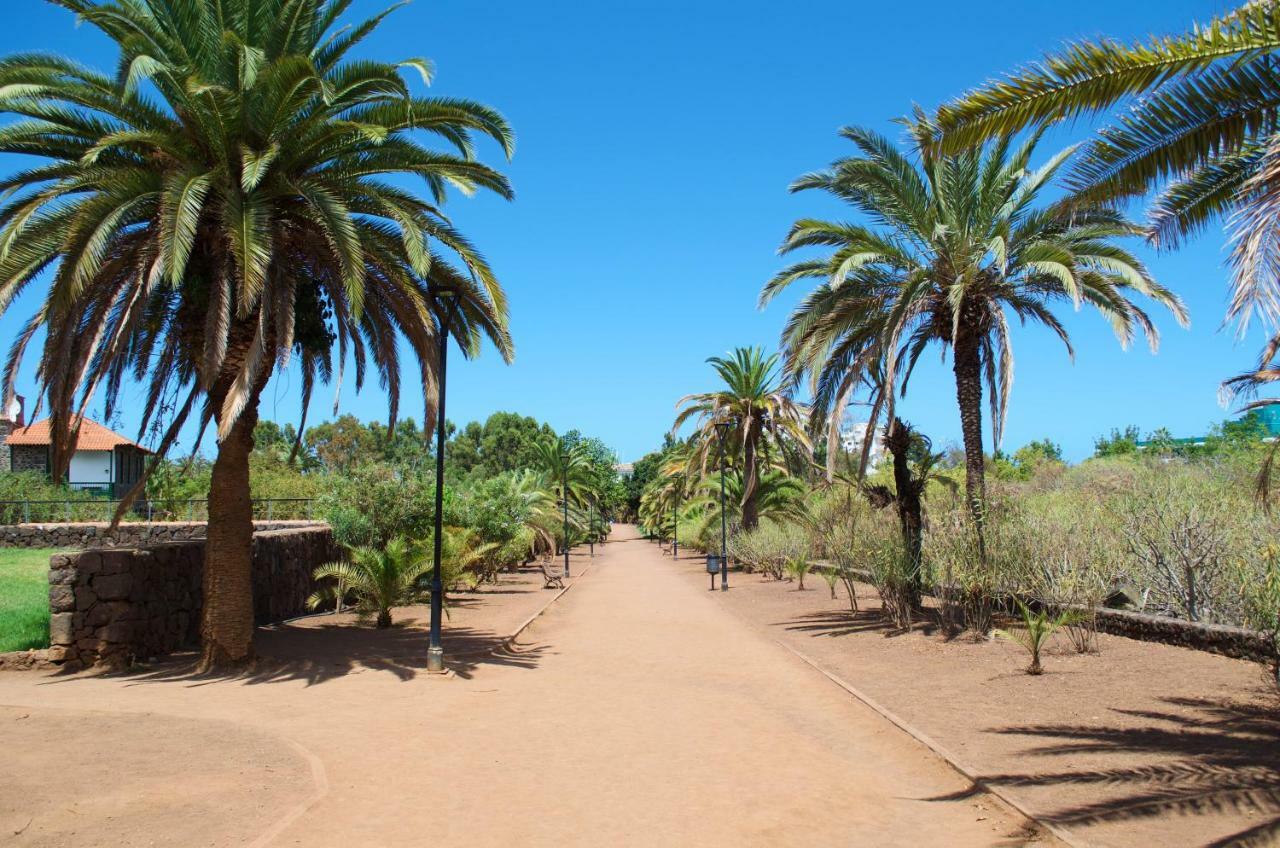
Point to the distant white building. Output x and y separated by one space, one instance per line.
852 438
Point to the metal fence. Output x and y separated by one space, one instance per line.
104 509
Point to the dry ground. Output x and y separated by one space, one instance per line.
1139 745
636 711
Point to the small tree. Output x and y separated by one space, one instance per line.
1038 627
379 578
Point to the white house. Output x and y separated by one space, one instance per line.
852 437
103 460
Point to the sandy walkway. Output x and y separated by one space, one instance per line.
637 711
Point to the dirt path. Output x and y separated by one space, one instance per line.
637 711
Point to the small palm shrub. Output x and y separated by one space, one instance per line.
843 567
378 579
832 577
1037 628
796 569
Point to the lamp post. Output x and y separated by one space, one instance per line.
722 428
675 522
591 524
564 491
435 652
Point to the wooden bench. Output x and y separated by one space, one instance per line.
553 573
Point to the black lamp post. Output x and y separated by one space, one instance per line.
675 522
445 315
564 491
722 429
591 523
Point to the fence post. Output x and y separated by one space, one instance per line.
270 505
148 511
26 512
66 511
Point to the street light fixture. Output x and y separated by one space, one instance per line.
447 302
564 492
675 515
722 430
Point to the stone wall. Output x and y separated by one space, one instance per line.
89 534
110 606
1215 638
28 458
1237 642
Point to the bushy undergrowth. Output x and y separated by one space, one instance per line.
770 547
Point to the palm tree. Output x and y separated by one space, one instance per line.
913 470
956 243
567 474
1202 125
759 414
380 578
779 497
224 204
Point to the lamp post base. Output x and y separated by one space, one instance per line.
435 661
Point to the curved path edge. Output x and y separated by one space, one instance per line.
929 742
511 638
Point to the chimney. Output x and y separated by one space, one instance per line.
11 418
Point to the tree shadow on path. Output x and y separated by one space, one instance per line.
317 654
1206 757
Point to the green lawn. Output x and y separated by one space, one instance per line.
24 598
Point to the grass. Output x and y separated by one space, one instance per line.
24 598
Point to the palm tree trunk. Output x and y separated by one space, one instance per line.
226 626
968 371
750 473
910 509
227 623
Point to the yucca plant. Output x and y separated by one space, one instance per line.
229 201
378 578
1038 626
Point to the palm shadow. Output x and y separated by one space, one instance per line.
317 654
836 623
1208 757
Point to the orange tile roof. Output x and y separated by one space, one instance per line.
93 436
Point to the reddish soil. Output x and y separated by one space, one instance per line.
636 711
1140 744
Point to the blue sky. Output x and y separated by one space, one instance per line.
655 144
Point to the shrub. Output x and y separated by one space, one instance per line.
378 578
374 504
1037 628
1261 599
769 547
796 569
893 575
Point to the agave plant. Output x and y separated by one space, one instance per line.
226 203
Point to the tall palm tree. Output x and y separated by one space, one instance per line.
1202 126
568 475
225 203
954 245
760 415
